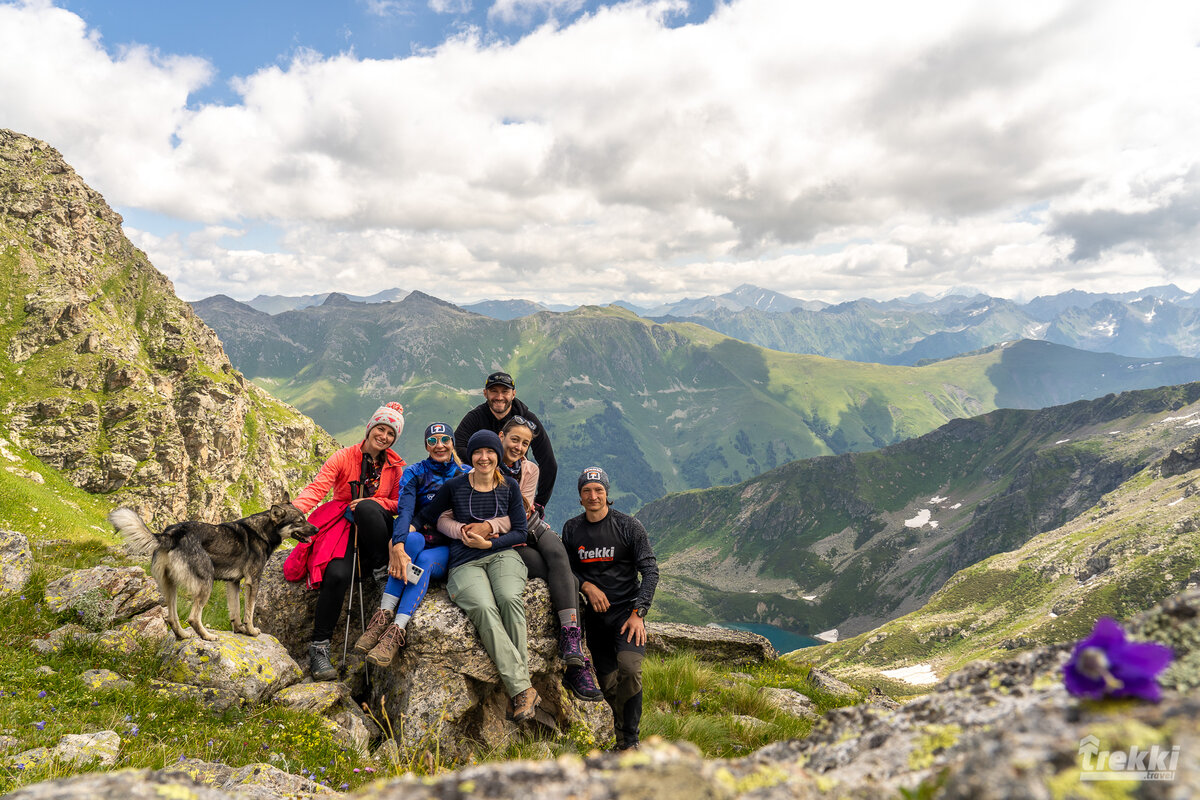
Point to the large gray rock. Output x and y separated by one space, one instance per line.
126 591
256 667
443 687
16 562
722 645
191 779
216 699
74 750
149 626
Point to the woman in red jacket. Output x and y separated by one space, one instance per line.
364 478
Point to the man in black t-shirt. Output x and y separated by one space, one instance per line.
499 406
608 551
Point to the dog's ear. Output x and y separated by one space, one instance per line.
278 513
287 498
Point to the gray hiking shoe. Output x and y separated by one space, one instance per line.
319 665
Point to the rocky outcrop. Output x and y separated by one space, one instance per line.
74 750
122 387
108 593
443 689
710 643
16 562
333 703
1181 459
255 667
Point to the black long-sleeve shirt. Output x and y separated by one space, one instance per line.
612 553
481 418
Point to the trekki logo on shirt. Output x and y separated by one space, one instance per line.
598 554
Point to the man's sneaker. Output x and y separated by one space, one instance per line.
381 655
375 628
319 665
626 746
581 683
525 704
570 646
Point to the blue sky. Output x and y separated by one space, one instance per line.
568 151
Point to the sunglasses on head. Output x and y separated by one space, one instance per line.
434 441
517 418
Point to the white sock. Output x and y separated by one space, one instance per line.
402 620
389 602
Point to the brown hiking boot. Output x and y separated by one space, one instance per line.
525 704
381 655
375 628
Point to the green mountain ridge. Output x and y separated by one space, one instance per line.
1139 544
854 540
662 407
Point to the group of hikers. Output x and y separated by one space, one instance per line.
471 513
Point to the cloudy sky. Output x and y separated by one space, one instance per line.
582 151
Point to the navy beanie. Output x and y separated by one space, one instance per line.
481 439
593 475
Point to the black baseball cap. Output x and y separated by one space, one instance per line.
500 379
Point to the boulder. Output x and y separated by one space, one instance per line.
828 684
191 779
16 562
332 701
216 699
75 750
710 643
789 701
443 687
126 590
255 667
103 680
128 637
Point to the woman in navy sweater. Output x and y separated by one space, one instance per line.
487 577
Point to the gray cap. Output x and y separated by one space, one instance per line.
593 475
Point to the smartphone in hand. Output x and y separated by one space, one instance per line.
414 573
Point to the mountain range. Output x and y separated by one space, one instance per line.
854 540
664 406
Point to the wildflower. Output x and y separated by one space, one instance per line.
182 756
356 770
41 726
42 693
95 702
134 731
344 786
369 769
1105 664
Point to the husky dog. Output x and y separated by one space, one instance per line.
194 554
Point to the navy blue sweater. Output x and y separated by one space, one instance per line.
469 505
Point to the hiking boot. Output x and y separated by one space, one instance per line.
570 646
319 665
381 655
375 628
525 704
580 682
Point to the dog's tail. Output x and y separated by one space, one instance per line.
139 537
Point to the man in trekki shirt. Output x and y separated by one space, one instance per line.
499 406
608 550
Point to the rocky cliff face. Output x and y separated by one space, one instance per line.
110 378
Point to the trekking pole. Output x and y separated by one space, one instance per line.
355 494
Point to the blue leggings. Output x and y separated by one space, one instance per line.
433 560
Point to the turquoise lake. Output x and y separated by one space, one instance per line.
782 640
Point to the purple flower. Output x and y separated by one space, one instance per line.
42 693
41 726
1105 664
345 786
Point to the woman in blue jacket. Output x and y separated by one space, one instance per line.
423 546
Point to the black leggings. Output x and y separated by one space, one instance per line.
374 536
547 559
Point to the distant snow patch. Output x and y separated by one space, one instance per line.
1174 502
1062 441
830 635
1180 419
933 523
936 499
956 505
920 519
920 675
1113 433
809 597
1053 615
1191 423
